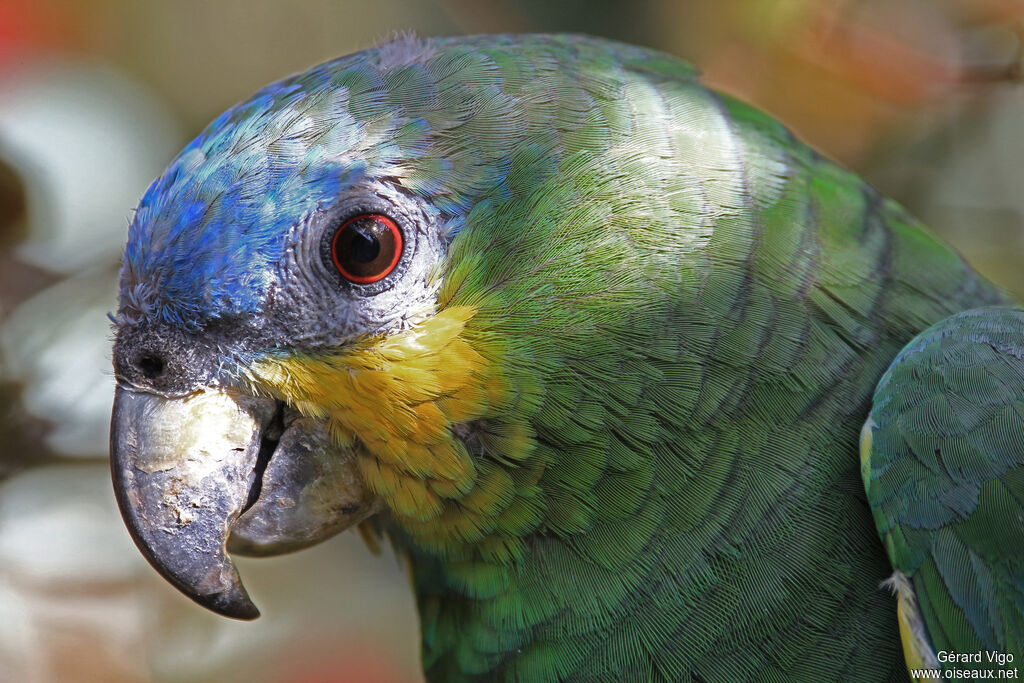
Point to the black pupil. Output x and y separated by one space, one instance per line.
364 246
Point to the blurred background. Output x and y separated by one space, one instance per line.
922 97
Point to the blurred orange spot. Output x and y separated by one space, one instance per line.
879 63
26 27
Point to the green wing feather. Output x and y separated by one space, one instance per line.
943 469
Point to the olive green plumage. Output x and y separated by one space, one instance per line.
693 309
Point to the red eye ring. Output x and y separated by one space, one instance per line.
366 248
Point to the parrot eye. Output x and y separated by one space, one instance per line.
366 248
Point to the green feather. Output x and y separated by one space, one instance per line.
944 478
691 310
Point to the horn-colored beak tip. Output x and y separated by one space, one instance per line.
234 603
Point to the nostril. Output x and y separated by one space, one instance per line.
152 366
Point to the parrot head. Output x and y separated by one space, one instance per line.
343 299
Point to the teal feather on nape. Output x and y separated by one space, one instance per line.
943 467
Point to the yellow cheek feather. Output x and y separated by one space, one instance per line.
399 395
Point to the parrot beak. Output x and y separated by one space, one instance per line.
196 475
310 490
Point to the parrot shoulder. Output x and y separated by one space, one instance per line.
942 459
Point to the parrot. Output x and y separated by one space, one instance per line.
638 385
